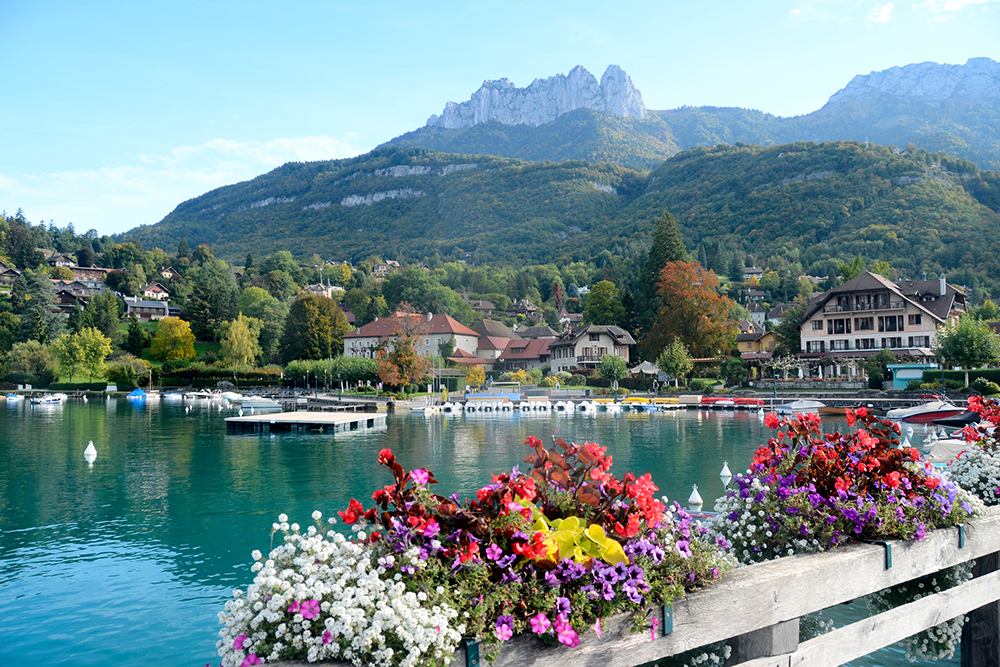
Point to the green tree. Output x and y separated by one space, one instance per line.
314 329
446 348
675 361
240 340
612 368
852 269
136 340
255 302
103 312
604 305
877 368
668 246
127 372
38 321
94 349
734 369
30 357
67 354
967 342
19 294
988 312
183 249
173 340
475 376
213 295
786 332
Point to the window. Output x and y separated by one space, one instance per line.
890 323
866 344
864 324
817 325
913 320
595 337
920 341
841 326
891 343
840 345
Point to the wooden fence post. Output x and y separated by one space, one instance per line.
981 633
773 640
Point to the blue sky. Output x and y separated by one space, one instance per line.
115 112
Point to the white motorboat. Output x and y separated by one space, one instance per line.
799 407
925 413
48 399
258 403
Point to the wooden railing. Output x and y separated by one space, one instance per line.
757 609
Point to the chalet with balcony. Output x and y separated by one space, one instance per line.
756 345
145 309
583 347
155 292
870 313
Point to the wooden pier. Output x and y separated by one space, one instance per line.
291 422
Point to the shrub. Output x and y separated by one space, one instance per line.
577 380
913 385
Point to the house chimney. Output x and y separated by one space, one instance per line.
942 285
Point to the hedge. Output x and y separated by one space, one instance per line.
990 374
79 386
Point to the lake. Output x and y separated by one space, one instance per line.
130 560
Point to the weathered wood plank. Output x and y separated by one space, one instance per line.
981 633
776 591
773 640
861 638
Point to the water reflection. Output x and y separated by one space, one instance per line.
130 561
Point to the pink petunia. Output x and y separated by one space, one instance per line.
597 628
327 636
568 636
238 642
310 609
540 624
294 607
251 659
420 476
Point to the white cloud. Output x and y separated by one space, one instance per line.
147 186
881 13
953 5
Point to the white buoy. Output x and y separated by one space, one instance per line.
187 409
694 500
90 454
725 475
906 443
241 412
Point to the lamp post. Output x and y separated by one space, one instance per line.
944 362
340 386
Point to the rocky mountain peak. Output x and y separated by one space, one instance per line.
976 80
545 99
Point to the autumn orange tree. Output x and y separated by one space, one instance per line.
692 312
399 362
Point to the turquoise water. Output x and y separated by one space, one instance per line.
130 560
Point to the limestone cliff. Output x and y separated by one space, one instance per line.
545 100
978 80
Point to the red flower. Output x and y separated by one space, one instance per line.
771 420
849 414
469 552
892 479
385 457
354 510
932 482
842 484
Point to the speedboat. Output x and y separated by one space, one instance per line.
49 399
925 413
799 407
13 398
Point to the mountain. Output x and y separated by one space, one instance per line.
952 108
804 202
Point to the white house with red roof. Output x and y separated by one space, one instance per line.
431 331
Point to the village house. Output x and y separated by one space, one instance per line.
155 292
480 306
7 274
430 330
92 277
524 308
583 347
756 345
145 309
170 273
870 313
61 259
757 314
526 354
753 272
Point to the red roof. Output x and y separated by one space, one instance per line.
389 326
532 348
493 343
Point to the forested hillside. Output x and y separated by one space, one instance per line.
806 203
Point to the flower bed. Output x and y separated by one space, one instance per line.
809 491
978 468
551 552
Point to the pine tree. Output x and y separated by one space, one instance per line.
136 338
183 249
668 246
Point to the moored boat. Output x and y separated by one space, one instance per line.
799 407
48 399
925 413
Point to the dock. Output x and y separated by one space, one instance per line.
292 422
